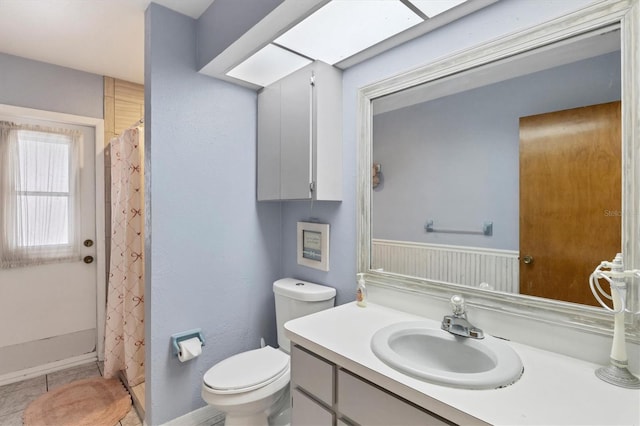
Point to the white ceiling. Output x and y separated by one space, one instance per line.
104 37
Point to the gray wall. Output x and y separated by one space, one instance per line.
224 22
32 84
213 252
500 19
342 267
455 159
497 20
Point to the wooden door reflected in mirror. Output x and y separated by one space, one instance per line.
570 199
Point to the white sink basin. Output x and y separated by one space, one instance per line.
436 356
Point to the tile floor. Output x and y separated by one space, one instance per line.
15 397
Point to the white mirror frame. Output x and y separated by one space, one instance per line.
626 14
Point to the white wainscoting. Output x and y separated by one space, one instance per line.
456 264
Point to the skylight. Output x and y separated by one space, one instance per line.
336 31
432 8
268 65
344 27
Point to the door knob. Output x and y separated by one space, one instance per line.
527 259
88 259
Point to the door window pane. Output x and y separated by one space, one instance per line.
44 220
44 161
40 203
43 188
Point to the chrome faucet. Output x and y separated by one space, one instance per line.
457 323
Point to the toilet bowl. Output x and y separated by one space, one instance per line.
248 386
252 387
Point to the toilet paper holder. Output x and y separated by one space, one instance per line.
178 337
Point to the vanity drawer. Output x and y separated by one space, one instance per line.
368 405
313 374
307 412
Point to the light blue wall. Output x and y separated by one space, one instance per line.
499 19
342 232
224 22
213 252
455 159
32 84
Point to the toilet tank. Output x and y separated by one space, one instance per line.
297 298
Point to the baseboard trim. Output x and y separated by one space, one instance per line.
204 416
30 373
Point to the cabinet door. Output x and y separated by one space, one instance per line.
295 136
268 161
306 412
312 374
371 406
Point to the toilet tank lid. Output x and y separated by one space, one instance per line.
303 290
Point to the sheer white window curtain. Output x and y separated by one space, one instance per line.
39 195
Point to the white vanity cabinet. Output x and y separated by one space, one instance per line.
367 404
300 136
326 394
312 389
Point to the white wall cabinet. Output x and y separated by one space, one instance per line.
300 136
324 394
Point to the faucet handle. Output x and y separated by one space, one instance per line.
457 304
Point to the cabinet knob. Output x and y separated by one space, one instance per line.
88 259
527 260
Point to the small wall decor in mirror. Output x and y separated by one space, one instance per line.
536 134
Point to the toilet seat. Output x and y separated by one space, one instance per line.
247 371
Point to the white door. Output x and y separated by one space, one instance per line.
48 313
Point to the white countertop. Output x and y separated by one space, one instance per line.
554 389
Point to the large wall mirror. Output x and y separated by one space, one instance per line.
508 172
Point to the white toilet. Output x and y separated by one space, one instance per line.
253 386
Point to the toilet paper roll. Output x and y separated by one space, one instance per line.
189 349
